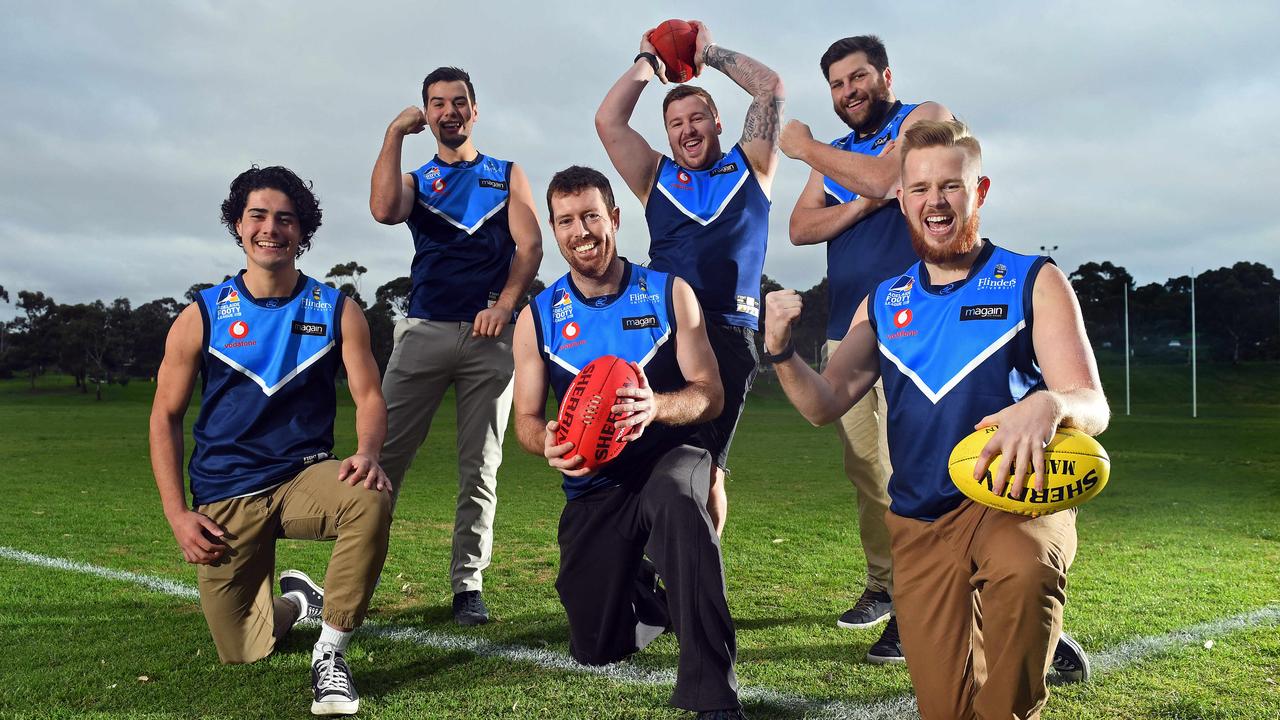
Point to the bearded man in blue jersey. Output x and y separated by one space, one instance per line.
707 210
269 343
477 247
978 592
651 500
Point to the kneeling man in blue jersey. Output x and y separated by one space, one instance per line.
971 336
651 500
707 211
269 343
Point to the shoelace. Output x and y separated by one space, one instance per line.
865 602
472 604
332 677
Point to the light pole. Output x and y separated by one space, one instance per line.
1046 249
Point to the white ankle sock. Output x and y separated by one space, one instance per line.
331 638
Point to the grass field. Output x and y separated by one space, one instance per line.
1186 535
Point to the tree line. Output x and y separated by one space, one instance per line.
97 343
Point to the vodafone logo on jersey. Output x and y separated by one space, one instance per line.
239 329
683 177
438 185
902 318
570 331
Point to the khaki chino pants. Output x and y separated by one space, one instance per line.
866 463
979 595
237 594
428 357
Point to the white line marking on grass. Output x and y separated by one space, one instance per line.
1141 648
898 708
158 584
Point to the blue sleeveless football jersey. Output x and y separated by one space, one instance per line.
949 357
874 248
463 245
268 395
637 324
711 227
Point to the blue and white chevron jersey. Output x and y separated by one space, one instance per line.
711 228
268 398
638 324
874 248
950 356
461 237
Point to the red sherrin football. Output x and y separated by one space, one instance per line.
675 41
585 419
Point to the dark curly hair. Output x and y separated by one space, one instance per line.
279 178
870 45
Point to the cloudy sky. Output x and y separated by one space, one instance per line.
1136 132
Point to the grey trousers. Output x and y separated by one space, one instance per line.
429 356
863 435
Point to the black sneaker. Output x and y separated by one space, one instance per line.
730 714
296 581
469 608
871 609
1070 661
332 691
888 649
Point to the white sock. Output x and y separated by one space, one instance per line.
331 638
300 600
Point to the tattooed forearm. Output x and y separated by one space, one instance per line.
763 117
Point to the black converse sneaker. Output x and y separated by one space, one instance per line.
872 608
1070 660
296 581
332 691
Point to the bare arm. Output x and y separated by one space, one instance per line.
1073 396
850 373
196 534
702 397
867 175
764 116
523 222
535 434
371 410
813 222
391 193
629 152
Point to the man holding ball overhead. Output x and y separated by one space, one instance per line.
971 336
707 209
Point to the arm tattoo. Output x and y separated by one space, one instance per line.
762 121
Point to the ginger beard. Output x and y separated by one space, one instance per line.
958 246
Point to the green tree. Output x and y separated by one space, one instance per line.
396 295
350 287
32 343
1100 288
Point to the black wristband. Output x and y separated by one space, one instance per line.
783 356
653 60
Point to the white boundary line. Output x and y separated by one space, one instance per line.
899 708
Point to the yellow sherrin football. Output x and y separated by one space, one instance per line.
1076 469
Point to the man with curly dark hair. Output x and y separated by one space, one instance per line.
269 342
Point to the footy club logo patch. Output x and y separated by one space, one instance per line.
900 293
747 305
228 303
431 174
562 308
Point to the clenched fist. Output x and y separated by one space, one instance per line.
781 310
